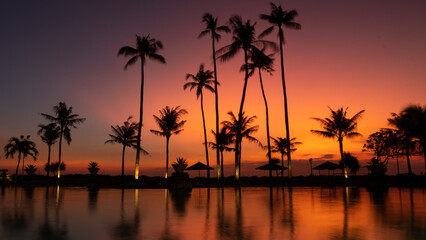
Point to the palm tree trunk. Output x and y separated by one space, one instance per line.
397 164
138 144
267 121
407 154
218 165
238 137
122 161
60 153
282 165
345 172
287 127
167 156
239 158
205 138
237 168
48 160
423 143
17 166
221 164
23 165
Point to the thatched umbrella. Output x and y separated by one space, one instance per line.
199 166
272 166
327 166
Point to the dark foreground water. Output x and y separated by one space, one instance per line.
245 213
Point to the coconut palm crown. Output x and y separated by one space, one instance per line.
170 123
146 47
244 128
339 126
280 146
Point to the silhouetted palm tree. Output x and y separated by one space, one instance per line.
203 79
223 140
49 134
169 123
126 135
278 17
243 38
146 47
65 120
213 29
260 61
339 126
24 147
280 146
416 115
406 123
242 126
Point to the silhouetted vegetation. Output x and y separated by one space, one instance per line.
170 124
243 39
243 127
24 147
202 80
126 136
214 30
261 61
339 126
146 47
351 162
223 140
410 122
65 119
49 134
280 146
281 18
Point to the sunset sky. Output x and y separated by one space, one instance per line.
359 54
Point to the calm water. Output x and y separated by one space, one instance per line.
246 213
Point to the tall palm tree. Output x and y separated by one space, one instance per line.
410 123
146 47
169 123
260 61
49 134
280 146
223 140
203 79
339 126
243 38
65 120
126 135
24 147
279 18
416 115
243 127
213 29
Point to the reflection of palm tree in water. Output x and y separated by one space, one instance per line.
124 229
46 230
93 198
166 234
14 219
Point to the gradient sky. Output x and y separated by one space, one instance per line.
359 54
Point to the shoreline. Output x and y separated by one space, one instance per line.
106 181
